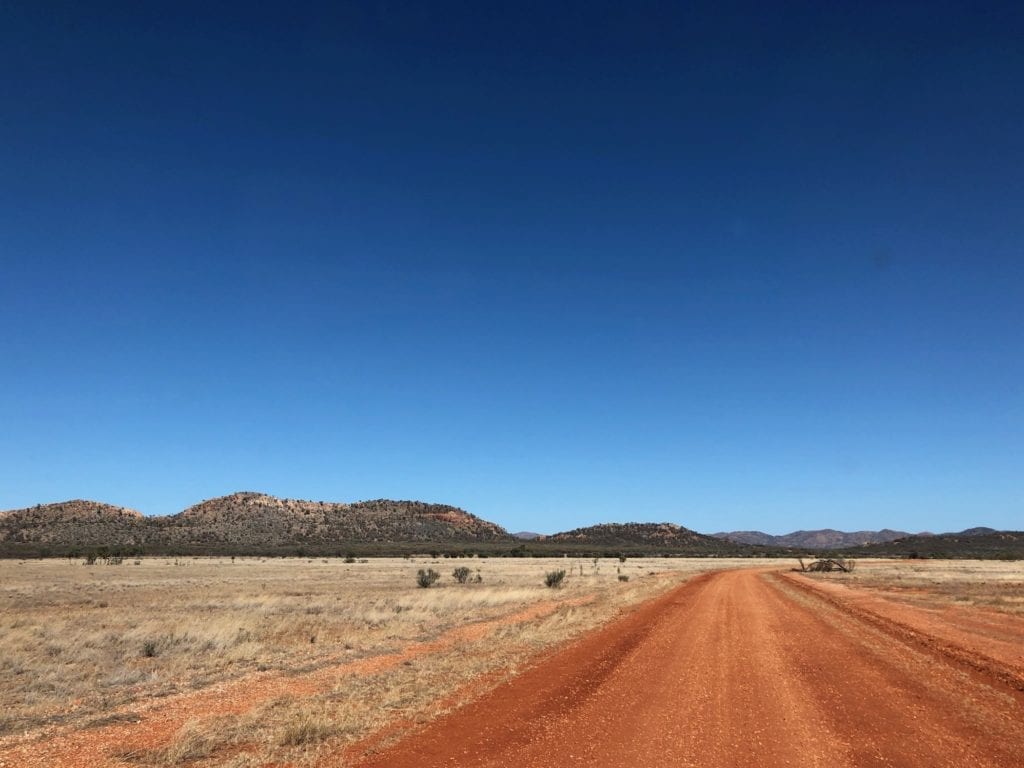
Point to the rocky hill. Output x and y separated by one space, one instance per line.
826 538
87 523
254 518
241 522
666 536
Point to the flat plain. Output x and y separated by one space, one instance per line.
163 661
254 662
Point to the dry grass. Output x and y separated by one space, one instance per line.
82 646
991 584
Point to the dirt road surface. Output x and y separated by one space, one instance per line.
739 668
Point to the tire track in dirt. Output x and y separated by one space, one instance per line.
993 647
733 668
157 724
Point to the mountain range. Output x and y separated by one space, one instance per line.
256 523
242 522
826 538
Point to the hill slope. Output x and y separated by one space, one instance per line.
986 544
79 522
241 522
665 536
255 518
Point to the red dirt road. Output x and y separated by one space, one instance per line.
737 668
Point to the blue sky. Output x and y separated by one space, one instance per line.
725 265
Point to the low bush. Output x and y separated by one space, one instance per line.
425 578
554 579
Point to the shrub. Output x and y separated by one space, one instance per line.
149 649
554 579
350 558
623 577
461 574
427 577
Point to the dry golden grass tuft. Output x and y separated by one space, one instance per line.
342 649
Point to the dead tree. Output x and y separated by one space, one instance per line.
827 565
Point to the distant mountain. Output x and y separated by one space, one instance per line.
243 522
826 538
973 542
668 536
527 535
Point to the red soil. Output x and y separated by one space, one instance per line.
155 727
744 668
736 668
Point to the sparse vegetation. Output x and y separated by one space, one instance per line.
461 574
994 584
58 644
71 633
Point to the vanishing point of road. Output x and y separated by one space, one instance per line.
737 668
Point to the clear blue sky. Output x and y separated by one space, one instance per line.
732 266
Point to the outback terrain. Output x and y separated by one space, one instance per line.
249 523
665 661
221 661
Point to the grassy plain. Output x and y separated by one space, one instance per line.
991 584
284 659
